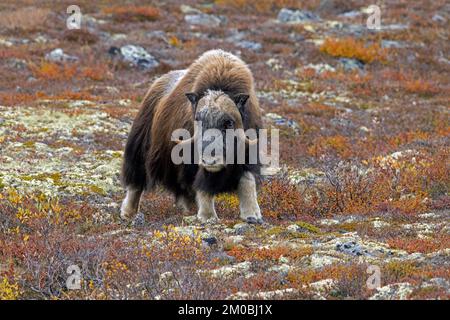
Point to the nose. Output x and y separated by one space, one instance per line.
209 161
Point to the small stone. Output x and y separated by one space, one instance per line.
242 228
188 9
139 220
281 121
438 18
211 240
17 63
293 228
378 224
392 44
320 68
255 46
203 19
351 64
189 220
234 239
58 55
296 16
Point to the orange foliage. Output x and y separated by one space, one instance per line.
419 245
278 198
11 99
336 144
133 13
52 71
265 254
261 6
97 72
421 87
351 48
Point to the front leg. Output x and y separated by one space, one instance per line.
130 204
205 203
248 199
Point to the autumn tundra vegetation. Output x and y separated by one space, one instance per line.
358 208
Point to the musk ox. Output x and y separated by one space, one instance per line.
218 91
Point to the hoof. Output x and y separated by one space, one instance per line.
260 221
251 220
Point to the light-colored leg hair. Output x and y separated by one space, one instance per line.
248 199
130 204
205 203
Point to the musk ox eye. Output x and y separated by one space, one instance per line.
228 124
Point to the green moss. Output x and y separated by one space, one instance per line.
1 183
55 177
275 231
308 227
366 106
282 232
97 189
401 269
348 226
29 144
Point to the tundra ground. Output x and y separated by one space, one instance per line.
364 135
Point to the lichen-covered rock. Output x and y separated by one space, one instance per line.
396 291
242 268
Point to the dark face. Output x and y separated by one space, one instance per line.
216 112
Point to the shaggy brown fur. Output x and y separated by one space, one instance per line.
147 158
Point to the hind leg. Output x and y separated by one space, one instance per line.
130 204
182 202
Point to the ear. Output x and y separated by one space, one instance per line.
240 100
193 97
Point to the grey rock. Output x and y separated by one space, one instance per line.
139 220
210 240
438 18
352 248
351 14
138 57
204 19
188 9
438 282
58 55
341 122
296 16
281 121
17 63
392 44
394 27
255 46
242 228
396 291
351 64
